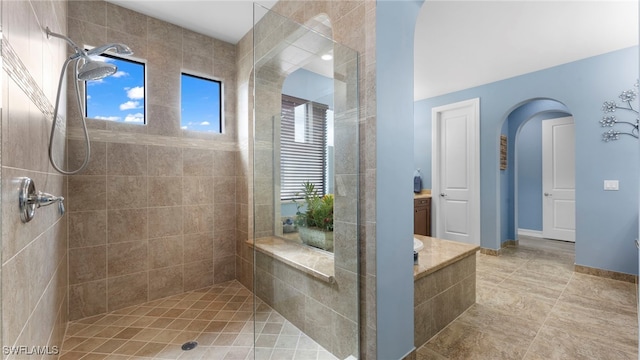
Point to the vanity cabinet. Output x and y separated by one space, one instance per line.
422 216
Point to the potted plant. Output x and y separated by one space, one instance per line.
314 218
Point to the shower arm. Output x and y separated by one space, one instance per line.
78 51
120 49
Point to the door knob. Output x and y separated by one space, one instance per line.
443 194
548 194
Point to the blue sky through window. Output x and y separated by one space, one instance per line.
119 97
200 104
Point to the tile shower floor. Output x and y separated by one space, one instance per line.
532 305
219 318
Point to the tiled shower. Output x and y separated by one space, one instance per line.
159 211
153 215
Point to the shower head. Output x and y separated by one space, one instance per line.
85 69
120 49
95 70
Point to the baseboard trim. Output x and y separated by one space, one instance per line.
606 274
492 252
532 233
498 252
510 243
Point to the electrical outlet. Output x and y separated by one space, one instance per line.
611 185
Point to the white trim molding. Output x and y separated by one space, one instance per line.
532 233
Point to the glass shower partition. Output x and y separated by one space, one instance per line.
305 132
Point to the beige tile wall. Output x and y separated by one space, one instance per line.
325 312
353 24
442 296
34 255
155 213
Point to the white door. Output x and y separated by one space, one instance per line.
456 171
558 179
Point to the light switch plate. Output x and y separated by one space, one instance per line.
611 185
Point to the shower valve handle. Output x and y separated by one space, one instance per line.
45 199
29 200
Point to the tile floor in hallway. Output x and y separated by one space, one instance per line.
532 305
219 318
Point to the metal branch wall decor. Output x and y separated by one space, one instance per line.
610 120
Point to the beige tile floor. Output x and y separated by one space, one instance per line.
531 305
219 318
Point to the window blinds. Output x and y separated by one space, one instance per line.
303 141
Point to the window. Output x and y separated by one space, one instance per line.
303 146
201 104
119 97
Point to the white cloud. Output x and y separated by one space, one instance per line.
95 82
88 97
135 93
183 127
205 123
130 105
134 118
101 58
110 118
120 74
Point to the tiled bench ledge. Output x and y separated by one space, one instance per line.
437 254
444 285
314 262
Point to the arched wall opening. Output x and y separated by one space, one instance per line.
521 181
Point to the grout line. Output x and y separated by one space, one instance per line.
230 290
548 316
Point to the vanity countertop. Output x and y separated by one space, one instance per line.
424 194
437 254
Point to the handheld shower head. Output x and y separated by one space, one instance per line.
95 70
120 49
89 69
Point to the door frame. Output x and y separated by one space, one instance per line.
474 164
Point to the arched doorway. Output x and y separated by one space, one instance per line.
521 183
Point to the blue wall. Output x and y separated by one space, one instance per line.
422 142
308 85
606 222
395 28
529 169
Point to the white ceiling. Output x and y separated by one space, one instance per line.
227 20
461 44
458 44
